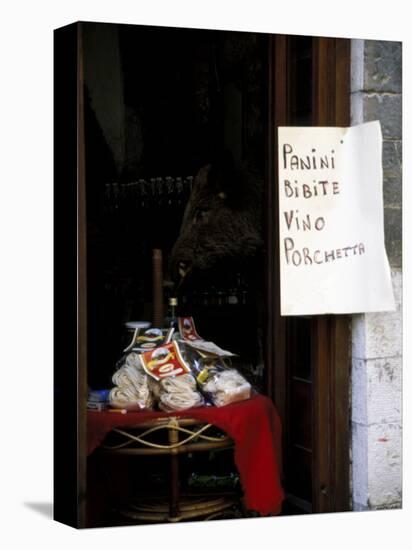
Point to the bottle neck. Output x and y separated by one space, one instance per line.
172 312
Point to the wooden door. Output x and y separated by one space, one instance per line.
307 357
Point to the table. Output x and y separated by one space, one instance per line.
253 425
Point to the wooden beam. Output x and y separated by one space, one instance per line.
277 116
331 334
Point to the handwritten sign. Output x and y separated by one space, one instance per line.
332 252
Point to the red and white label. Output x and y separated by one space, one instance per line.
164 361
187 329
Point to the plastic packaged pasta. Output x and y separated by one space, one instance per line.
172 381
221 384
132 389
175 374
179 392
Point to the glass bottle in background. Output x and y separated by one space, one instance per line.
115 196
152 193
232 298
170 192
205 298
159 192
220 298
171 320
212 297
142 193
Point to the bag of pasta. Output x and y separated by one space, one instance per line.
171 379
221 384
132 387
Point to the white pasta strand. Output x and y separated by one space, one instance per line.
122 396
177 402
227 387
179 384
179 392
131 385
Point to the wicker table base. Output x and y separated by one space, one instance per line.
158 510
196 437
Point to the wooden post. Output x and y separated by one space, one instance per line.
331 334
174 511
275 324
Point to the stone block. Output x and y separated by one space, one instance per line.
384 329
382 66
384 465
379 335
356 108
392 173
398 146
388 109
358 336
357 507
359 391
392 193
384 390
377 390
393 235
360 465
391 159
357 64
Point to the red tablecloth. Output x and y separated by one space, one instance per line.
254 426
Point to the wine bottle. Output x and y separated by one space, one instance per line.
171 320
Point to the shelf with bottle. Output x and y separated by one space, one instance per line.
146 193
171 317
230 296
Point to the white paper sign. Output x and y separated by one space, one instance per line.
332 251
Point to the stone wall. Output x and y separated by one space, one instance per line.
376 94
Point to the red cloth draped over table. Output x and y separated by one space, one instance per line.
253 425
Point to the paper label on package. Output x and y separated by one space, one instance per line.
187 329
164 361
209 348
189 334
151 338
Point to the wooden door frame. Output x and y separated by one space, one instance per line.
330 333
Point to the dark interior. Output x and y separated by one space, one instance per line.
190 96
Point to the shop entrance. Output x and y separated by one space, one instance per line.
180 99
